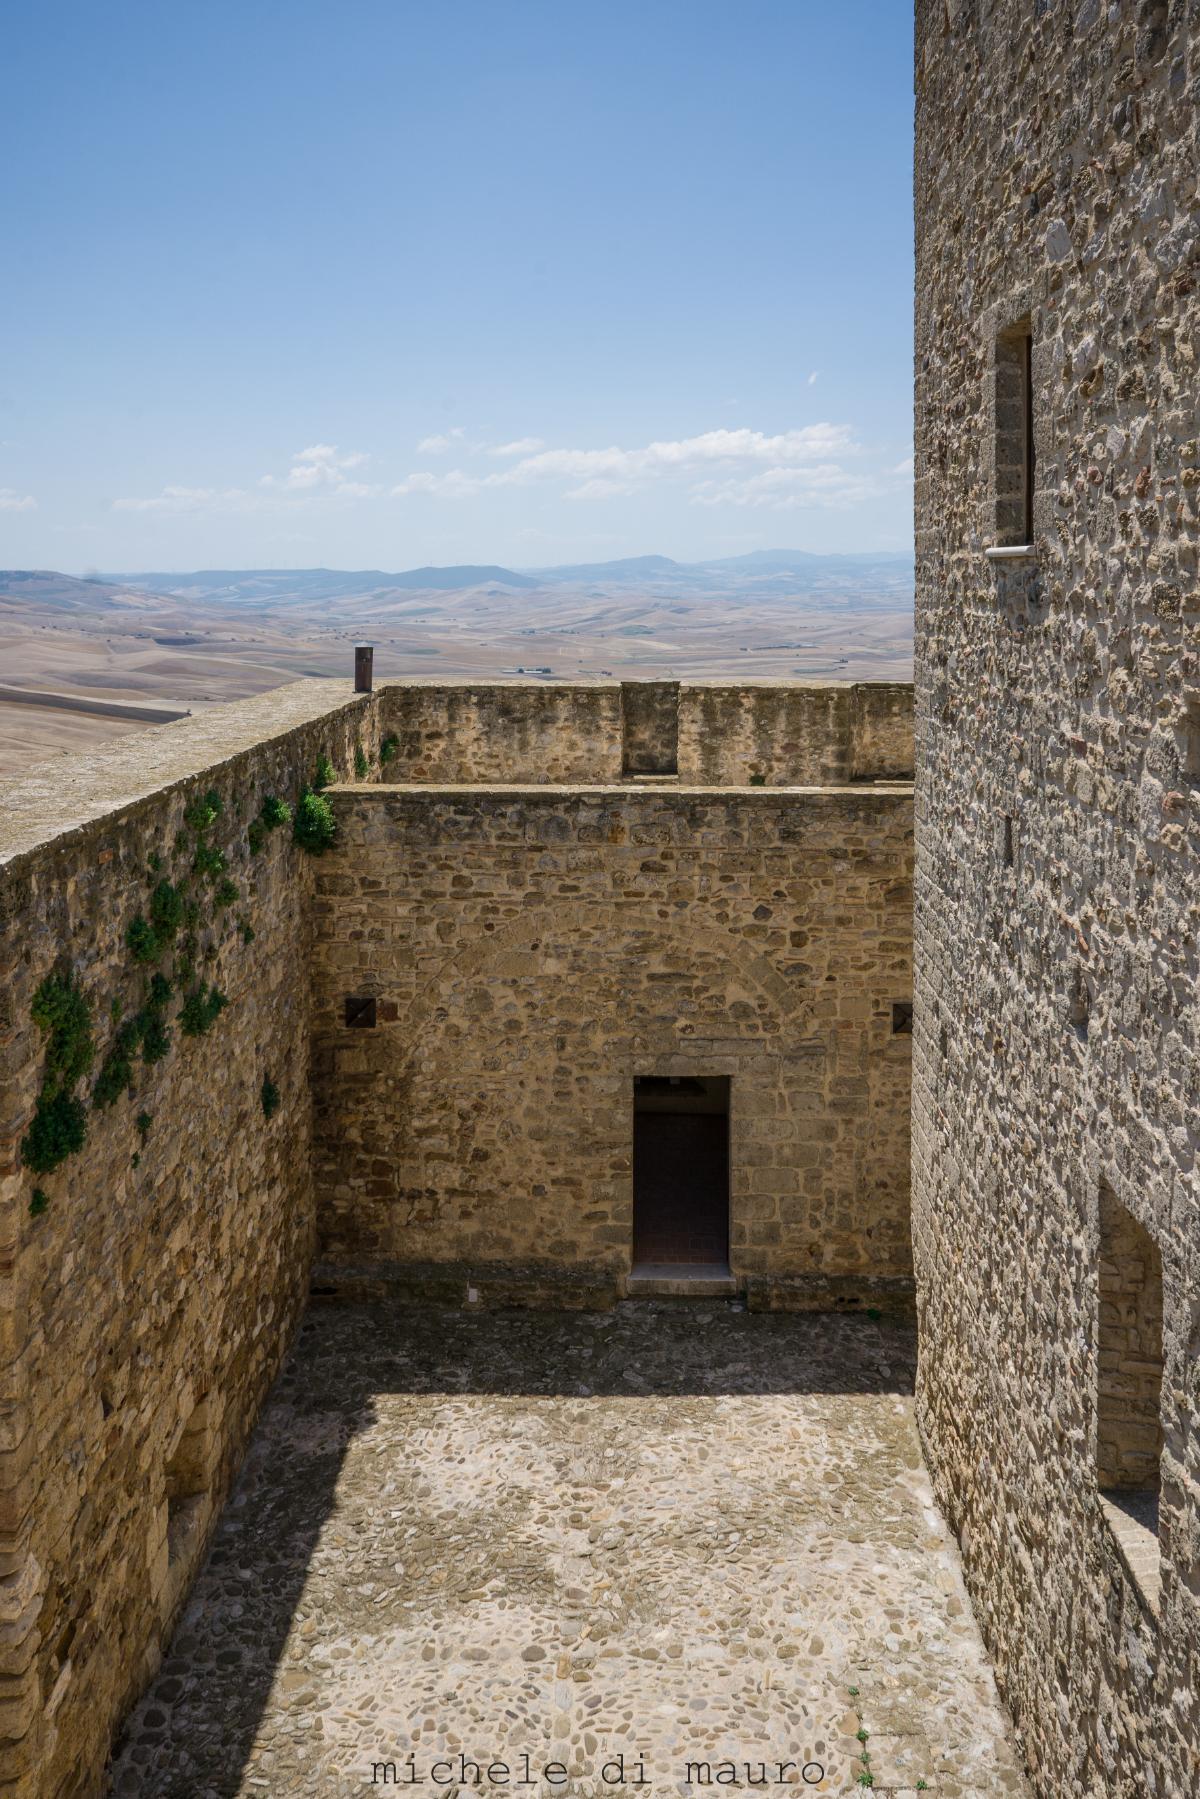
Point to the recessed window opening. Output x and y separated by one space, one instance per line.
649 729
1191 742
902 1018
1030 452
1009 841
1079 1007
1129 1436
1015 451
187 1482
681 1174
361 1010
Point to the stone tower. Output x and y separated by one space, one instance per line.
1056 1067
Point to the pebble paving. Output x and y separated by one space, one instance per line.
669 1533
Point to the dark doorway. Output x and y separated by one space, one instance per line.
681 1172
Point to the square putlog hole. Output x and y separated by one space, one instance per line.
1191 743
902 1018
361 1010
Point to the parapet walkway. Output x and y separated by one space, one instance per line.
673 1534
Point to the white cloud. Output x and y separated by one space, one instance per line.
521 446
319 472
683 455
604 474
442 443
788 489
455 485
601 488
905 467
812 379
185 499
321 466
12 501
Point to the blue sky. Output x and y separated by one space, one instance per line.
383 283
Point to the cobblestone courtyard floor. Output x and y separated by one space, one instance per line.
684 1534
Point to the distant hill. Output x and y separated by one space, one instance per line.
808 562
465 575
274 584
878 573
25 587
186 640
627 568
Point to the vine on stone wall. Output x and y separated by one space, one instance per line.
173 920
63 1014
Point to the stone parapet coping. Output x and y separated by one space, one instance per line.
655 788
69 792
613 683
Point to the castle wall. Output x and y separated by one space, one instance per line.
503 731
1057 1035
795 734
153 1279
709 733
530 951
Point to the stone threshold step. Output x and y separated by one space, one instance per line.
680 1280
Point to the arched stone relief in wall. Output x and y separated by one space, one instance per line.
517 950
520 1055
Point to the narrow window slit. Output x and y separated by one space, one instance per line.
1129 1357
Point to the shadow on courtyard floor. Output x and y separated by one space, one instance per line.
358 1510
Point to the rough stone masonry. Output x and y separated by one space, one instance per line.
1056 1105
535 895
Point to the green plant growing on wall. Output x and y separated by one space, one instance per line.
146 941
226 893
185 959
116 1070
38 1202
153 862
167 908
146 1028
208 861
140 940
269 1096
201 1009
314 827
272 813
204 812
246 929
324 776
361 766
144 1121
62 1012
389 749
152 1020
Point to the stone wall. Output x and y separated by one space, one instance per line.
526 950
1057 1046
709 733
151 1280
795 734
530 951
504 731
